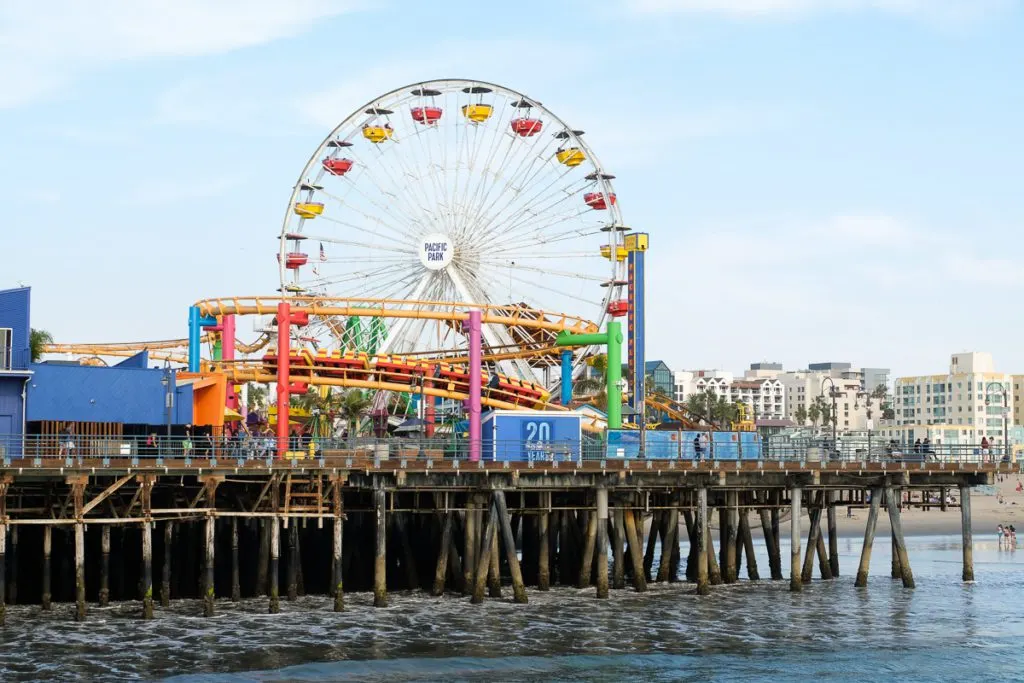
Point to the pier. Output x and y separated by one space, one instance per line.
95 530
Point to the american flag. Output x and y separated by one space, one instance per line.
323 254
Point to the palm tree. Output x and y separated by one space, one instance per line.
701 404
37 339
256 397
352 407
801 416
814 413
594 388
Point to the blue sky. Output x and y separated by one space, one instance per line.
822 179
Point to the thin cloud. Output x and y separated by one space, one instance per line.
942 10
42 51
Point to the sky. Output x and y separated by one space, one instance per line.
822 180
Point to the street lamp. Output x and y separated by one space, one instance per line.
867 405
1006 411
834 393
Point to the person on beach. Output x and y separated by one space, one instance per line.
999 534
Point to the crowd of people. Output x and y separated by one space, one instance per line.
1007 536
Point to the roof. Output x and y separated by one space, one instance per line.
655 365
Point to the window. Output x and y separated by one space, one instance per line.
6 343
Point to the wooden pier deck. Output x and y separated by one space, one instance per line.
97 529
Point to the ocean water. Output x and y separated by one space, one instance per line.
749 631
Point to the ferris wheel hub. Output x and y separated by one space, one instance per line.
436 251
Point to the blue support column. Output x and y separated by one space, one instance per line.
636 244
566 376
196 323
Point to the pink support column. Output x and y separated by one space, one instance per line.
474 385
227 354
283 375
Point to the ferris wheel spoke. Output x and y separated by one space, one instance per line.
387 247
486 170
503 219
373 219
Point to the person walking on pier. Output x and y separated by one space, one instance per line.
698 449
984 448
67 440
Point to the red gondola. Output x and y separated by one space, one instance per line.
526 127
619 308
294 260
596 200
426 115
338 166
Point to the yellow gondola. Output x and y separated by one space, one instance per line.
309 209
377 134
477 113
620 252
571 156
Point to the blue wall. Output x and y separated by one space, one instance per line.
14 313
79 393
14 309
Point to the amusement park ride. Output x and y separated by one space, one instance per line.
424 248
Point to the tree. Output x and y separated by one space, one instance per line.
824 409
352 407
256 398
37 339
814 412
594 387
702 404
801 416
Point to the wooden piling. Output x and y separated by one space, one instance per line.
587 557
165 582
652 540
967 539
273 570
869 539
147 570
468 550
618 547
730 516
337 565
824 566
833 535
601 551
668 542
104 594
693 549
544 543
795 584
748 546
635 556
236 581
897 535
441 570
714 571
484 560
700 525
494 571
380 567
47 597
771 542
80 571
813 533
292 571
208 565
518 588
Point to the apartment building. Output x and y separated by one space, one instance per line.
970 402
763 396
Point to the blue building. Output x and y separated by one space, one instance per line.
660 376
15 357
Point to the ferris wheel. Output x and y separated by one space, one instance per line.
454 192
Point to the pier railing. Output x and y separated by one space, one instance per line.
39 449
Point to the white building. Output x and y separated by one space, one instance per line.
964 405
763 396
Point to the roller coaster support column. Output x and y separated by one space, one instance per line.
566 377
285 320
612 339
227 353
474 384
196 323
